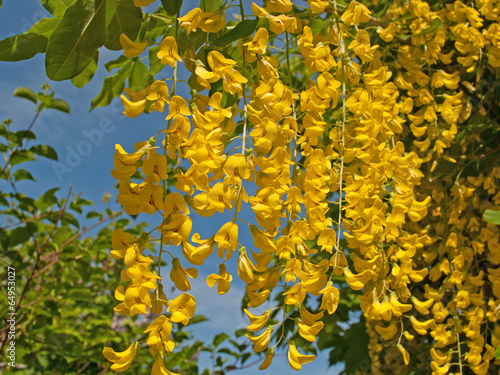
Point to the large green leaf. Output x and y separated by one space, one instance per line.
84 77
25 46
492 216
75 40
112 87
56 7
241 30
139 77
209 5
172 6
121 17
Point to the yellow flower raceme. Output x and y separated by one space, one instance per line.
191 20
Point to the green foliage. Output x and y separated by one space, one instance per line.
75 40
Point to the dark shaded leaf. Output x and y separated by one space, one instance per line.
209 5
139 76
112 86
75 40
56 7
22 174
19 235
241 30
121 17
28 44
88 73
117 63
45 150
219 339
172 6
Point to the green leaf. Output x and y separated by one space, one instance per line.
45 150
197 319
88 73
117 63
139 77
22 174
172 6
56 7
121 17
209 5
25 46
19 235
241 30
21 156
219 339
492 216
26 93
112 86
48 198
155 65
75 40
60 105
497 352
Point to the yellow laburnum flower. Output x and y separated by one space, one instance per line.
317 6
356 13
219 63
158 92
179 275
388 33
126 164
236 169
245 267
197 255
212 22
182 308
256 299
175 203
258 44
357 282
121 360
267 360
257 322
168 52
261 342
159 333
386 333
295 295
177 229
155 167
137 299
159 367
178 106
120 242
132 109
140 274
278 6
227 239
134 256
223 280
131 48
295 359
330 299
404 352
191 20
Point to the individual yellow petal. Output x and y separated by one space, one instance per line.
131 48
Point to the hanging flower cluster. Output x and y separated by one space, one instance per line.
342 140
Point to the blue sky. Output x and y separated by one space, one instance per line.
86 157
